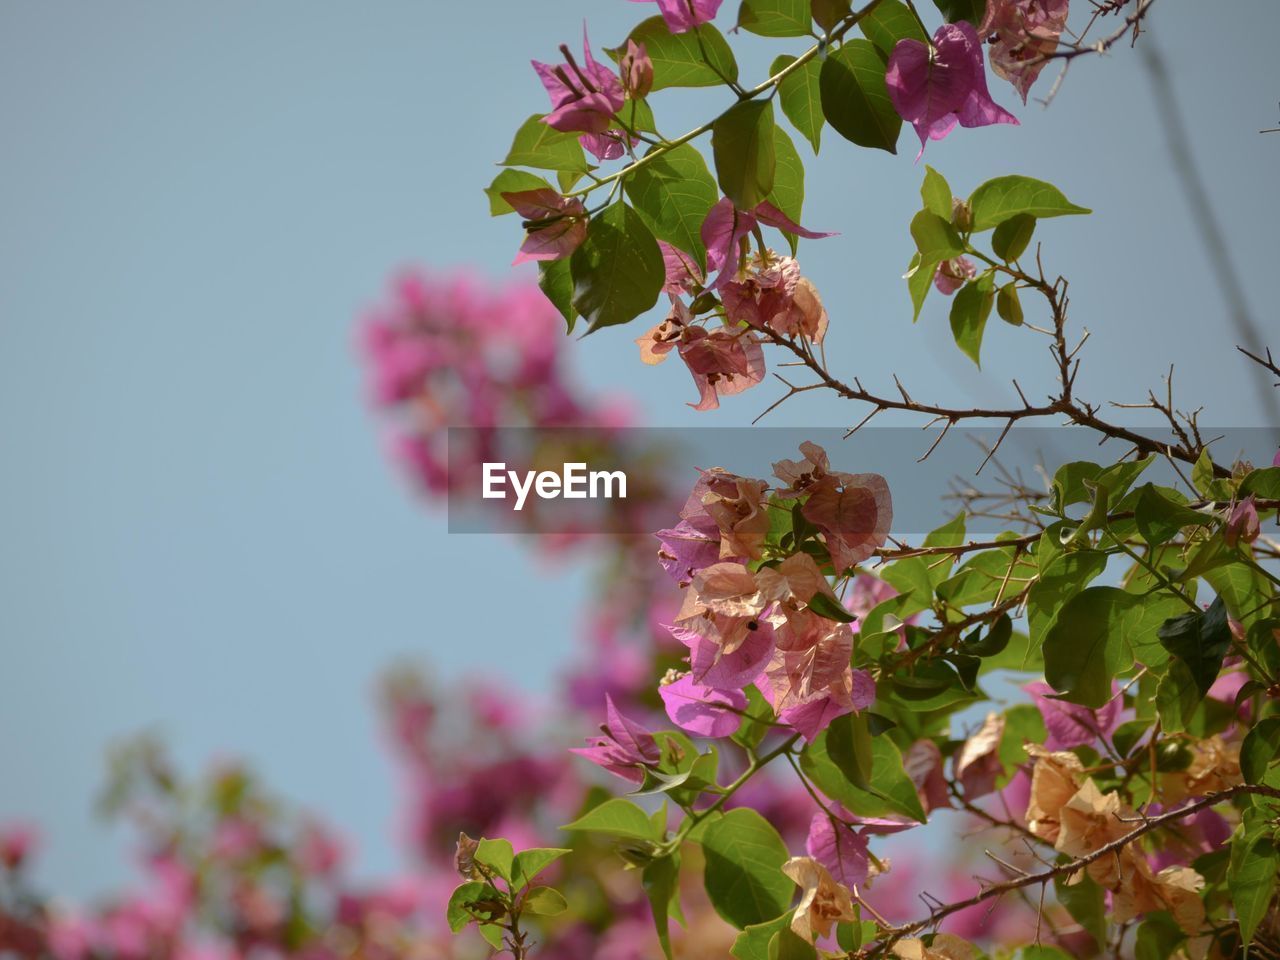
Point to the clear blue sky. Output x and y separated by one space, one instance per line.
197 532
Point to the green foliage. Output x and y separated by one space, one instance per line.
538 145
775 18
1012 237
743 875
678 59
1003 198
673 192
855 100
1252 874
800 94
890 22
1200 641
742 142
618 270
661 880
617 817
889 790
970 308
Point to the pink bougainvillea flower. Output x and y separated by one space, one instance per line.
934 87
770 293
854 513
609 145
1070 725
722 363
952 275
726 227
636 70
700 710
682 15
554 225
712 667
683 273
17 841
842 850
625 747
977 765
923 764
685 549
584 97
1242 523
1023 34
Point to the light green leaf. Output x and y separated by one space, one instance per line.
743 876
1012 236
742 144
1251 877
618 270
935 237
1260 748
497 856
888 23
936 193
661 881
673 193
545 902
800 94
678 59
1001 199
775 18
1008 306
511 181
529 863
753 942
855 99
970 309
617 818
471 900
537 145
788 180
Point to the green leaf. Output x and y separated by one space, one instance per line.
618 270
743 876
471 900
787 945
537 145
511 181
788 180
970 309
893 790
1199 640
678 58
1008 306
1251 877
742 144
1264 484
1158 936
888 23
1000 199
1086 902
971 11
1160 518
935 237
661 879
1086 648
529 863
775 18
936 194
753 942
1012 236
1260 748
673 193
855 99
824 606
1241 588
1061 578
1177 697
801 97
849 747
545 902
497 856
616 818
919 277
555 279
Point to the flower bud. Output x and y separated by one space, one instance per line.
636 70
961 215
1242 523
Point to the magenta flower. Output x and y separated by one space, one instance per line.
17 841
682 15
700 710
554 225
1070 725
1242 523
625 747
583 98
935 87
952 274
840 849
683 273
726 227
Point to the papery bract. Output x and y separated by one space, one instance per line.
840 849
951 275
854 513
1070 725
1242 523
823 901
978 763
1024 33
584 98
700 710
682 15
624 749
555 225
934 87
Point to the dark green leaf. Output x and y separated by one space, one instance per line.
537 145
661 880
555 278
893 790
824 606
1160 518
1000 199
971 11
673 193
849 747
1263 484
1158 936
1086 646
618 270
855 99
744 877
753 942
1251 877
1008 306
742 143
788 180
919 279
1199 640
786 945
1086 902
471 900
970 309
1260 749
